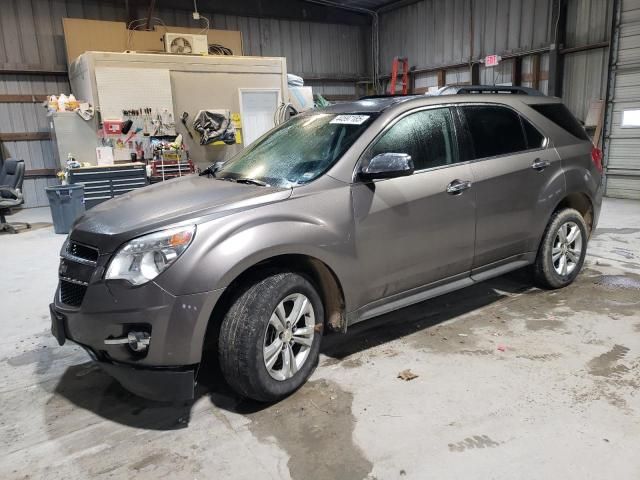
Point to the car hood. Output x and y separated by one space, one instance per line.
192 197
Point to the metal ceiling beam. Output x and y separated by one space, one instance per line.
282 9
130 10
388 7
152 5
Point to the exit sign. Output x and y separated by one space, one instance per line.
492 60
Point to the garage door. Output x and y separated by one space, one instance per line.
623 126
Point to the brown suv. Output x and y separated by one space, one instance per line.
335 217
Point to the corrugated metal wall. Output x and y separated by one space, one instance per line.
29 117
585 73
429 33
312 49
31 37
434 33
437 32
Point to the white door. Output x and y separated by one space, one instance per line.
257 109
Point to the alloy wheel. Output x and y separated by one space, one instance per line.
289 336
567 248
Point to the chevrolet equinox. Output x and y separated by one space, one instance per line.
334 217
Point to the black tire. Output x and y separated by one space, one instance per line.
242 337
544 270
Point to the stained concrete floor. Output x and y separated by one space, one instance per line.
512 382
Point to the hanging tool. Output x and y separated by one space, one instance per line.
126 126
183 118
394 75
132 134
146 121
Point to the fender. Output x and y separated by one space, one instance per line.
225 247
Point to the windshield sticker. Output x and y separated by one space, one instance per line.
350 119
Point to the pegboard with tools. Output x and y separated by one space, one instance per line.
148 122
129 136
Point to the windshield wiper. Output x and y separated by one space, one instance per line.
211 170
252 181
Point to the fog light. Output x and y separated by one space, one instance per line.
137 341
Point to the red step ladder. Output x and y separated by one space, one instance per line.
394 75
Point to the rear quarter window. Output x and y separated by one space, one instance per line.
562 117
494 130
534 138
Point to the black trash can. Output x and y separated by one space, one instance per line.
67 204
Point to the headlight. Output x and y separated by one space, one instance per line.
144 258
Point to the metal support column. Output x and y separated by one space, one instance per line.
556 60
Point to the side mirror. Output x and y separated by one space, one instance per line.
387 165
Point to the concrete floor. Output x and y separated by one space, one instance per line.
561 400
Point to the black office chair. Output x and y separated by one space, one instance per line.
11 178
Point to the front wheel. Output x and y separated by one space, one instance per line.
270 337
563 249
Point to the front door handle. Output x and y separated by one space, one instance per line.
539 164
458 186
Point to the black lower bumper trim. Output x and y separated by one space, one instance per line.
57 325
161 384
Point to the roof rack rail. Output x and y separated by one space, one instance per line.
469 89
388 95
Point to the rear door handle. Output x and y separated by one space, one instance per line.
539 164
458 186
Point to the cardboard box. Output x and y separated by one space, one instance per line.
82 35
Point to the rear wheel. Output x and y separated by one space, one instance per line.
270 337
563 249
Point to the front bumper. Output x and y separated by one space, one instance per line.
167 384
177 326
160 384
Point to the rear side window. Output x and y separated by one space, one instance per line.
426 135
534 138
494 130
561 116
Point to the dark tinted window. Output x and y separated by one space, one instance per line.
561 116
494 130
427 136
534 138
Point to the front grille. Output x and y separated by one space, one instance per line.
82 251
72 293
77 265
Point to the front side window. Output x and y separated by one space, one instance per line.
426 135
297 152
494 130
